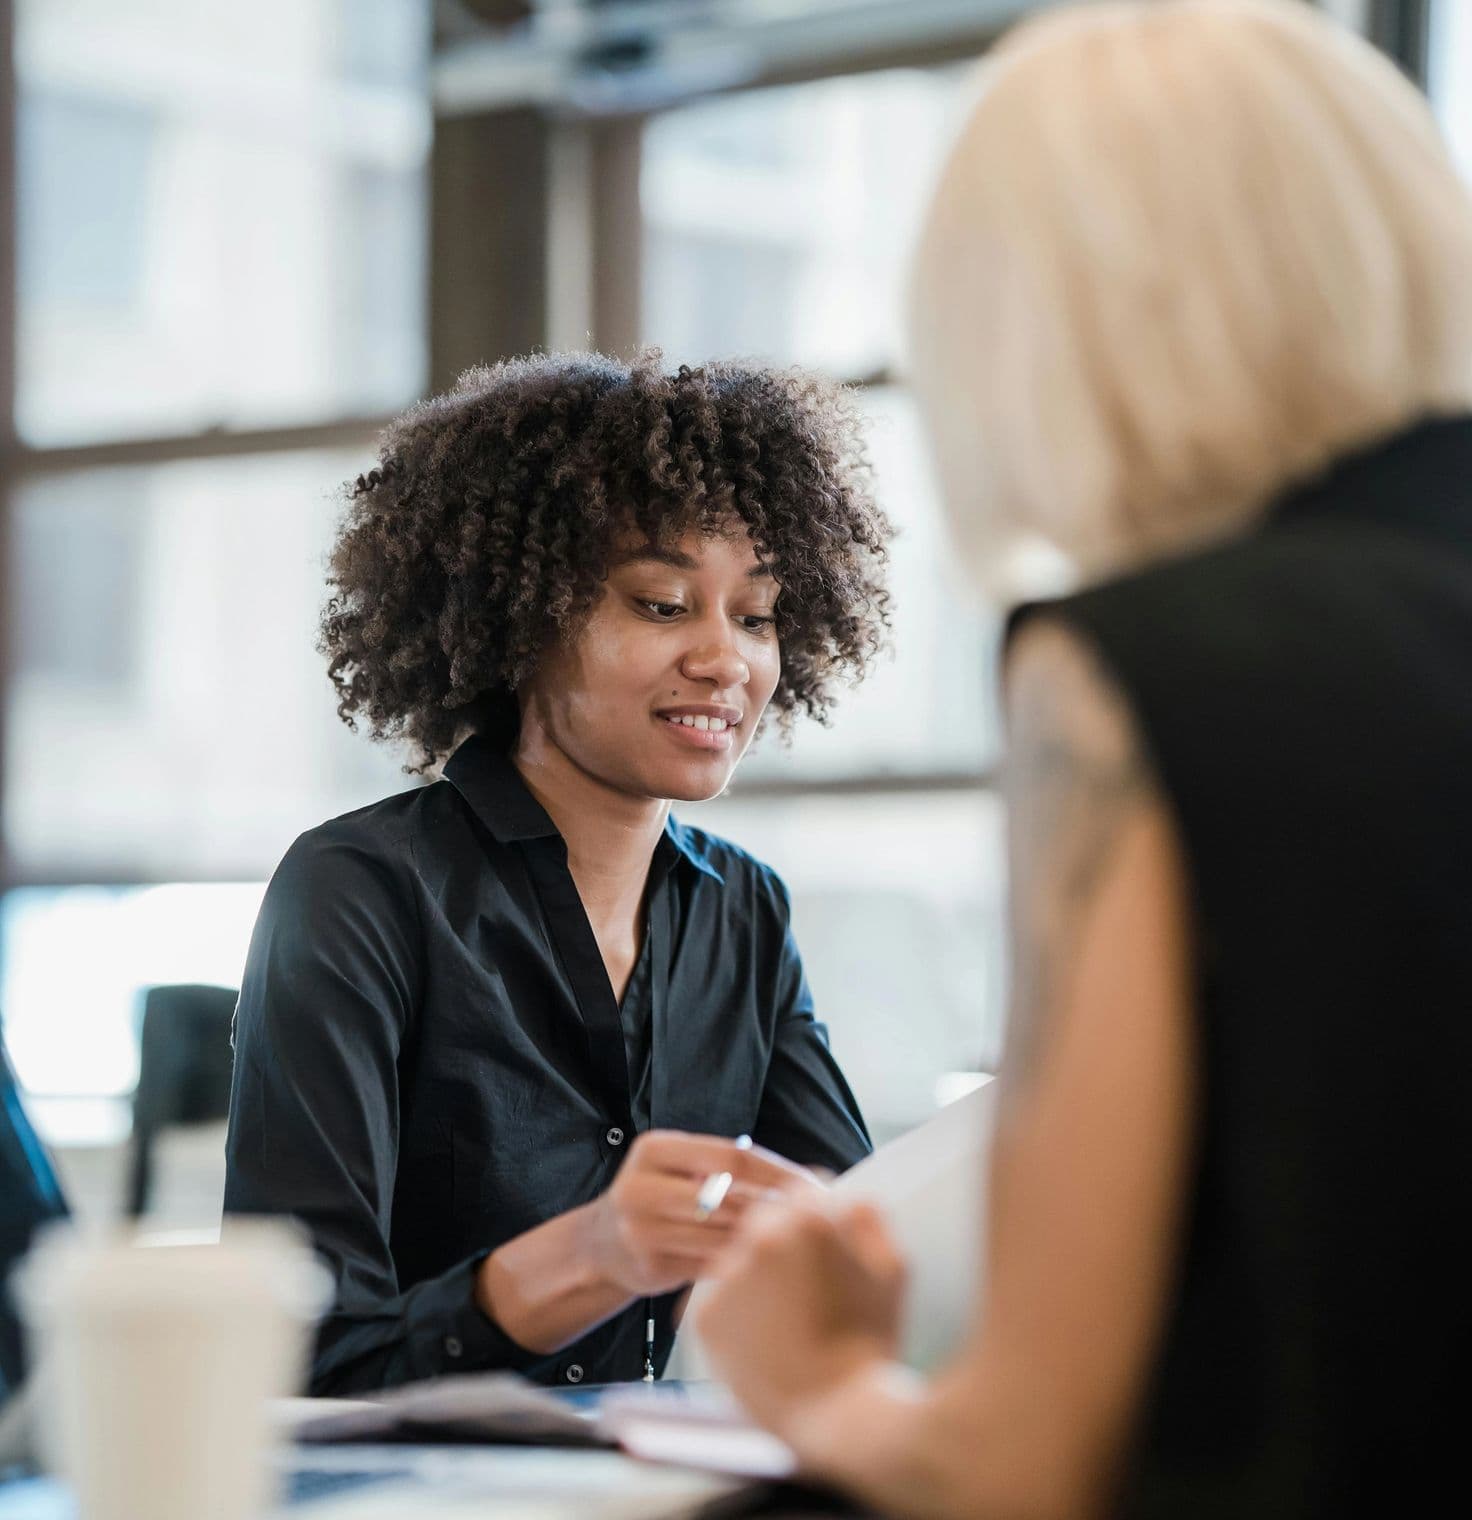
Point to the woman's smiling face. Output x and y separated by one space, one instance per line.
661 690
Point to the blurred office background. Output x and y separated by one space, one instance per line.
238 237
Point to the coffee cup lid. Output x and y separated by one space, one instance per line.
256 1263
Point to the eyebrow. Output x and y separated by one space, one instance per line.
653 553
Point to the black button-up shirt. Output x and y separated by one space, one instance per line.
429 1059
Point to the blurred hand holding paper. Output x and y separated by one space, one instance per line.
930 1185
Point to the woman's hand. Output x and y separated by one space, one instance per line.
808 1297
646 1236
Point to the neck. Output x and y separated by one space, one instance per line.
610 835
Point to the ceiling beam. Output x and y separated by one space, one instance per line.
620 58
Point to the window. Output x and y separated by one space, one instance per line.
76 961
221 225
776 226
168 712
1449 79
897 911
221 213
777 222
928 705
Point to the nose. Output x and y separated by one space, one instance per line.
714 658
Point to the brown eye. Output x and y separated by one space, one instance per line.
664 612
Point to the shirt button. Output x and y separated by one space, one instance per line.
615 1136
453 1346
574 1374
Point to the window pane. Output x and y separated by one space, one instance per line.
72 1020
169 714
928 706
1450 82
777 222
221 212
897 907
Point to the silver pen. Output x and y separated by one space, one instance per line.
712 1192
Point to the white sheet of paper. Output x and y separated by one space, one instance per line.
930 1184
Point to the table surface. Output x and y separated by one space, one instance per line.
400 1482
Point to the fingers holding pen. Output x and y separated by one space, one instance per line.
687 1200
716 1201
676 1202
702 1156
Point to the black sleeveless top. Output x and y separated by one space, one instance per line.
1306 692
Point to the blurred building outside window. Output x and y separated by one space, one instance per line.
77 960
221 213
168 711
777 222
1449 75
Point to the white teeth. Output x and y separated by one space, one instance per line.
701 723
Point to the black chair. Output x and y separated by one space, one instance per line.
183 1071
30 1196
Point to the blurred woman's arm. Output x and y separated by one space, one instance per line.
1088 1174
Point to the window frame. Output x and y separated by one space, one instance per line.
1402 28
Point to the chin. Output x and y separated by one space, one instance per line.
685 786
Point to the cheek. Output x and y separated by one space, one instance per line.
600 652
614 674
580 682
766 671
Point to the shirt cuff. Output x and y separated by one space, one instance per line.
447 1332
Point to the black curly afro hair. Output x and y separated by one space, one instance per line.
489 524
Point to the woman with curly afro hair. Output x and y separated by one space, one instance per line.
517 1047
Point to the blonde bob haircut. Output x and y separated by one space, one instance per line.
1182 253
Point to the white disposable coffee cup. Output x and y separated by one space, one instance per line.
155 1364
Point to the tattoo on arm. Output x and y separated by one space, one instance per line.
1075 777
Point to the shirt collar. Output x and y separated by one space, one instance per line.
688 844
482 772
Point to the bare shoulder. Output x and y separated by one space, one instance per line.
1078 783
1060 700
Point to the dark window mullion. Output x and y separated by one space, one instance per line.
7 385
1402 28
342 433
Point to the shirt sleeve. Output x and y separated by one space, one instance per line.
326 1003
807 1112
